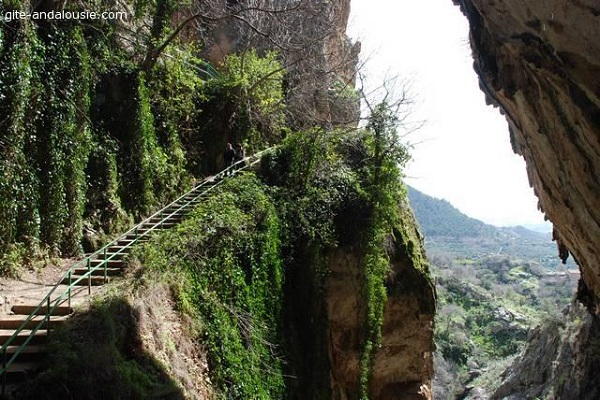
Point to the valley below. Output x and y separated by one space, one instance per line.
500 290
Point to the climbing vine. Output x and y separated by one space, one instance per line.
384 190
175 89
18 83
83 143
63 137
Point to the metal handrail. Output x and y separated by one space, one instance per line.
216 180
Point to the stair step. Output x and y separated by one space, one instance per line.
93 280
119 249
29 349
180 213
150 226
110 271
178 206
113 253
170 216
157 228
20 371
145 228
110 251
170 222
26 309
191 201
22 366
112 263
167 223
31 353
39 337
15 321
139 236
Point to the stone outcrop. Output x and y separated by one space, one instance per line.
539 61
319 58
560 361
403 364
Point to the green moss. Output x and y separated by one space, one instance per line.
63 138
174 90
18 83
332 189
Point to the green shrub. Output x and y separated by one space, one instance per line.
243 104
97 355
225 266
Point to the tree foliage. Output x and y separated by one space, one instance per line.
385 192
253 85
243 104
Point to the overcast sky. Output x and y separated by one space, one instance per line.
463 152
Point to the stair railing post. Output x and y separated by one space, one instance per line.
4 372
69 289
105 265
89 276
48 316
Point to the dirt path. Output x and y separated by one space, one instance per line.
33 286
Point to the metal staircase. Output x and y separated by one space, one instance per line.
24 333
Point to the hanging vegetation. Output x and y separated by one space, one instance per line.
87 138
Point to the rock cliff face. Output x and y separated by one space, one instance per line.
560 362
539 61
403 365
319 58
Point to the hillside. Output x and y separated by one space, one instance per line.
449 231
265 272
495 285
437 217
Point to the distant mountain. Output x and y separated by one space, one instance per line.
544 227
525 233
438 217
448 230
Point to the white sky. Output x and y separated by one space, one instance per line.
463 152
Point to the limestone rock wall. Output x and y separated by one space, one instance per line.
560 361
539 61
315 50
403 365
